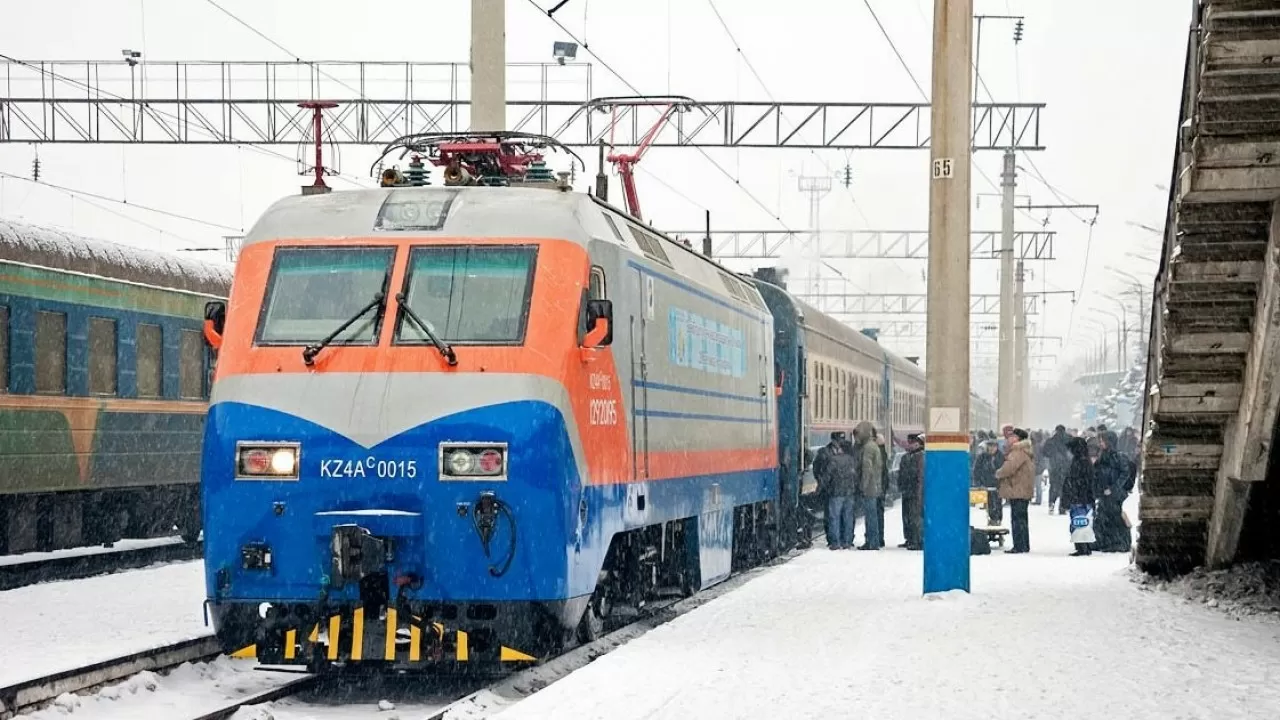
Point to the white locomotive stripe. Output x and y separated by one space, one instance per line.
368 408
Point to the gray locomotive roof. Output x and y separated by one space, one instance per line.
473 212
46 247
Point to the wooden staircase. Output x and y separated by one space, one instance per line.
1211 399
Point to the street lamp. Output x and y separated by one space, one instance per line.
132 58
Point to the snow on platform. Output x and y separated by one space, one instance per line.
848 634
63 625
119 546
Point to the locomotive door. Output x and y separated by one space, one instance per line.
640 378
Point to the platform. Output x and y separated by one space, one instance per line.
838 634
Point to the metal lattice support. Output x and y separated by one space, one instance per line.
863 244
256 103
900 303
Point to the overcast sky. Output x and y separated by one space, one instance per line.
1110 73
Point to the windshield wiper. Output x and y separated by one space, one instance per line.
442 346
309 352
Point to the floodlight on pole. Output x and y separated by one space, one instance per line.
564 51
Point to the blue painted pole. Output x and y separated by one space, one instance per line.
946 515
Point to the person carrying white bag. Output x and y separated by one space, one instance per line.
1079 496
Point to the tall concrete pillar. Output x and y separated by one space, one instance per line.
488 65
946 514
1006 400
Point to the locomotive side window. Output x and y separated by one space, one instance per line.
314 290
598 289
102 356
4 348
469 294
191 365
51 352
150 360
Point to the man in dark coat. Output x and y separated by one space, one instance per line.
835 470
985 465
1057 459
1112 472
884 480
1078 486
911 484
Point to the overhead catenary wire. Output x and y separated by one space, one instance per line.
126 203
737 46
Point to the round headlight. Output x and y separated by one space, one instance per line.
283 461
460 462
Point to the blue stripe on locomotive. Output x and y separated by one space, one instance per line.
22 345
556 558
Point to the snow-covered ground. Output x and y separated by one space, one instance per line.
90 550
63 625
848 634
186 691
1245 590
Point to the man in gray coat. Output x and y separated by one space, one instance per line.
871 481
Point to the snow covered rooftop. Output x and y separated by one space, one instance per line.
47 247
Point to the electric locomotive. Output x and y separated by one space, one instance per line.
467 422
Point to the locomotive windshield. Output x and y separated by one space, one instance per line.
314 290
469 294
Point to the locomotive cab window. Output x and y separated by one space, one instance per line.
312 291
476 295
597 290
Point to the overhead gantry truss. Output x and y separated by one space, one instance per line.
863 244
256 103
898 303
902 329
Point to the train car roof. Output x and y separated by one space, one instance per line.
496 212
59 250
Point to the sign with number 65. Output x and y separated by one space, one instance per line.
942 168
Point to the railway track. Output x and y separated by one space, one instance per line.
74 567
32 694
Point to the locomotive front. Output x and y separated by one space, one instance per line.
390 473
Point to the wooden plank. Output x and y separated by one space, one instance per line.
1178 456
1200 389
1210 343
1196 405
1176 507
1220 271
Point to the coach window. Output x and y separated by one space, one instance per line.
102 356
4 348
191 365
51 352
150 360
598 290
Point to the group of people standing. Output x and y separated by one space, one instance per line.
1090 477
852 475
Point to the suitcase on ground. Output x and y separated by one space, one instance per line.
978 544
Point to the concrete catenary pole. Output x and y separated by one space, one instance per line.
1006 379
946 481
488 65
1020 371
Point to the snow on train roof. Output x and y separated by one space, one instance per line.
461 211
51 248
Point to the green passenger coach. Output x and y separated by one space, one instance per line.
104 379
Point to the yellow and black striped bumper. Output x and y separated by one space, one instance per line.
401 640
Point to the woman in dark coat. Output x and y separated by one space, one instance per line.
1078 488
